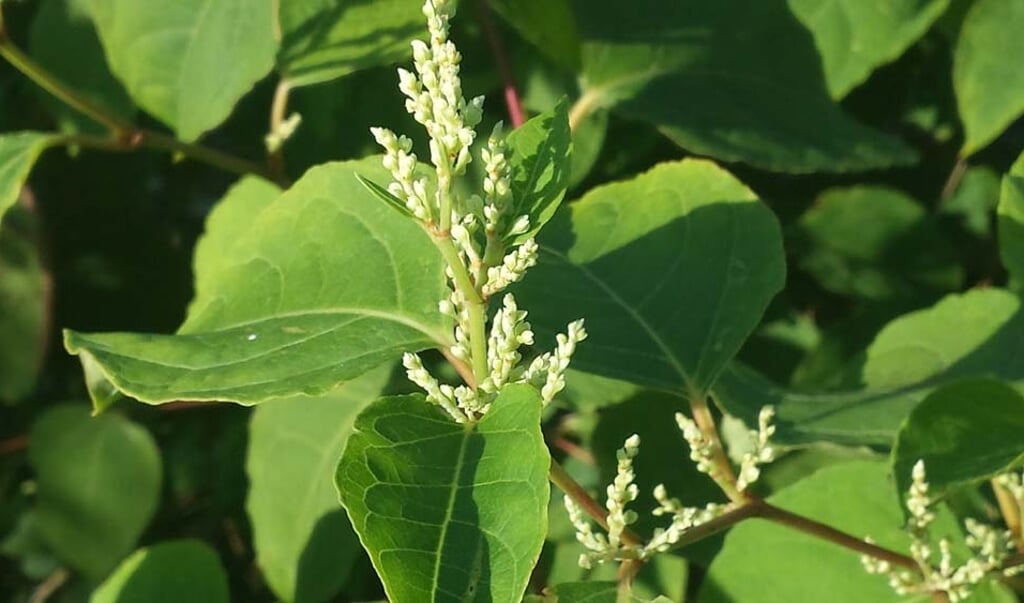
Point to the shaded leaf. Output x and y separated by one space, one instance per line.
747 89
876 242
1011 222
326 39
987 78
303 540
964 432
539 162
715 259
85 512
449 511
326 283
63 40
169 572
24 292
550 26
855 37
187 62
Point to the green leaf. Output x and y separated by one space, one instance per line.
303 540
672 270
768 563
550 26
24 304
86 511
187 62
964 432
539 159
169 572
229 221
384 195
63 40
325 283
1011 221
910 357
449 511
987 78
854 37
326 39
747 89
18 151
876 243
593 592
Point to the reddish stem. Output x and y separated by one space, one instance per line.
516 114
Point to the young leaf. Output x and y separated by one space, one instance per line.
987 77
384 195
169 572
322 40
855 38
671 270
449 511
539 157
738 89
1011 222
187 62
964 432
303 540
324 283
18 152
85 512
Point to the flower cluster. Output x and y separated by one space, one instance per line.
763 453
475 233
938 572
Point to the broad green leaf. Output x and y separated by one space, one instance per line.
964 432
169 572
63 40
744 89
855 37
593 592
226 224
1011 222
326 39
910 357
18 151
98 485
325 283
25 543
987 77
875 242
672 270
24 304
550 26
187 62
539 153
768 563
449 511
303 540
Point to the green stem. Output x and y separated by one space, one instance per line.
278 108
125 135
722 473
475 305
561 478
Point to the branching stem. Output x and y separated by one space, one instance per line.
475 305
723 473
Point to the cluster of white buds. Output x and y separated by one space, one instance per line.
478 228
621 492
684 519
763 453
702 449
989 546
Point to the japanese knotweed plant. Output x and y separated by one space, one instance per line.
448 489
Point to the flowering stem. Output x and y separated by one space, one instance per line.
1010 511
475 305
561 478
809 526
278 108
723 473
516 115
